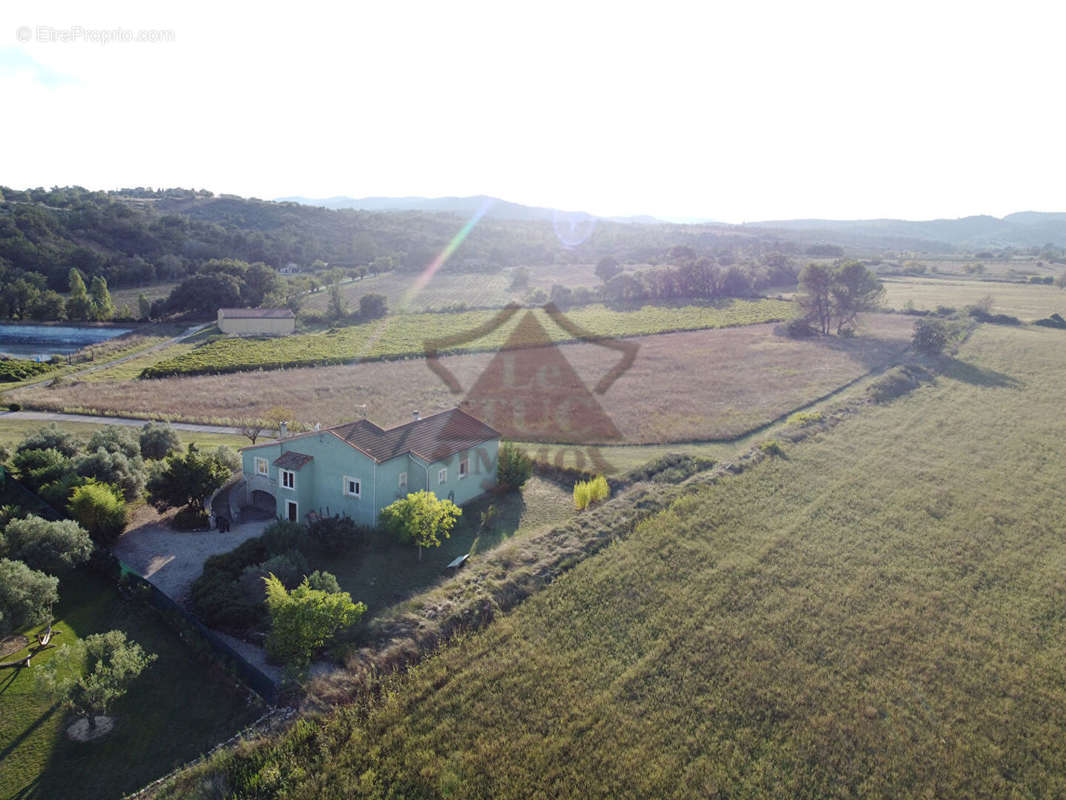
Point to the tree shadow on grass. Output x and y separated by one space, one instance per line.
10 748
978 376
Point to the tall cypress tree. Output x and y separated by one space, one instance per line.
79 306
103 308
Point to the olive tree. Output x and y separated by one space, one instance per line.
26 596
53 547
88 675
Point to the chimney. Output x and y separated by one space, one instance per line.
416 415
283 430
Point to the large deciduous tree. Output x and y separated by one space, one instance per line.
832 296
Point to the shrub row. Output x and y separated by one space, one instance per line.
229 593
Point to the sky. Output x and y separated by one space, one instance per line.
726 111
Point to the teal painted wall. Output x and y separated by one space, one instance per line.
320 483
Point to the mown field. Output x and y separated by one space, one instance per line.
448 289
177 709
878 613
706 384
1025 301
405 335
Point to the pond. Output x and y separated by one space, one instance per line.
41 342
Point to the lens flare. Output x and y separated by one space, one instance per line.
427 274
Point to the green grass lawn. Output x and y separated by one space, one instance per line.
878 613
384 573
178 708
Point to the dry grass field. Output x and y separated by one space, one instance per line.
682 386
1025 301
877 614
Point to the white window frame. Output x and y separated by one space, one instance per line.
464 467
358 486
287 473
264 464
442 475
295 505
401 481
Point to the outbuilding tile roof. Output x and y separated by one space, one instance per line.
290 459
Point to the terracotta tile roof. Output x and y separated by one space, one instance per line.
256 313
431 439
292 460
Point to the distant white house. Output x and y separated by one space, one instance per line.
256 321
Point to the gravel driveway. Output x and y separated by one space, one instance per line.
172 560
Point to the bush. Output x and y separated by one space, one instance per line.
1054 321
587 493
37 468
26 596
772 447
981 315
52 438
323 581
670 468
334 535
513 466
158 440
897 382
305 619
229 458
14 406
57 493
116 439
799 328
805 418
191 519
373 306
125 473
290 568
930 336
53 547
101 510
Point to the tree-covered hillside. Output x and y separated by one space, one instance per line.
138 236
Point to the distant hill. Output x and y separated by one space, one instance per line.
461 206
1023 229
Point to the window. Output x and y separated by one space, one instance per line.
442 476
403 480
464 467
287 478
353 487
292 511
261 466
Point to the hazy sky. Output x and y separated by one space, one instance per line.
733 111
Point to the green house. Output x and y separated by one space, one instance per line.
356 469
